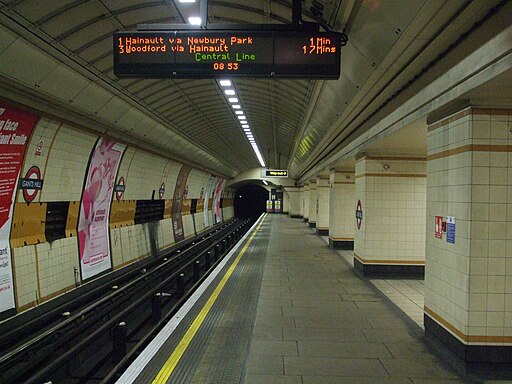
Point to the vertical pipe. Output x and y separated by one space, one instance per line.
296 12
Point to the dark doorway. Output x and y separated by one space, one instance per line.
250 201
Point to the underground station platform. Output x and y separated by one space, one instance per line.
284 308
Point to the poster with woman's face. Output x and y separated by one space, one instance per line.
93 225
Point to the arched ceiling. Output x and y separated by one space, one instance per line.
293 121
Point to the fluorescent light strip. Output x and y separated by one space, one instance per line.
243 119
194 20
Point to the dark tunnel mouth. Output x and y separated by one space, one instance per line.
250 201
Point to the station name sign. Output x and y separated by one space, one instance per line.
210 54
275 173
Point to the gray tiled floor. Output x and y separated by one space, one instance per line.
317 322
408 295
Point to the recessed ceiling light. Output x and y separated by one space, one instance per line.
241 117
225 83
229 92
194 20
236 106
233 100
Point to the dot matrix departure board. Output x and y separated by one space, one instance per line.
210 54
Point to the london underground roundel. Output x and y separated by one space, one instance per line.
359 214
31 184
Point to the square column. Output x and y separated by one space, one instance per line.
390 204
301 201
293 197
468 275
341 210
305 202
312 204
322 205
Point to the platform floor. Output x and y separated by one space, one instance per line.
293 311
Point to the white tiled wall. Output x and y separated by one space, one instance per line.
341 206
292 197
306 201
45 270
469 283
394 205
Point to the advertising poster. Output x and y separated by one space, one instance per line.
217 214
93 228
15 129
179 193
207 194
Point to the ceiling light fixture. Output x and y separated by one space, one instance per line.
236 106
265 182
229 92
225 83
233 100
245 126
239 112
241 117
194 20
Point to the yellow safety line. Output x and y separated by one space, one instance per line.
178 352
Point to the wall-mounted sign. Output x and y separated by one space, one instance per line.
359 214
283 173
39 148
31 184
438 227
120 188
210 53
450 230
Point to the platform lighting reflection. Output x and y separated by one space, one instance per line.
194 20
233 100
230 92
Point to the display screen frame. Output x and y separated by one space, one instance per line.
169 64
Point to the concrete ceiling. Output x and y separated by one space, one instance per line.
296 123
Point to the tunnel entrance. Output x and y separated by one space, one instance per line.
250 201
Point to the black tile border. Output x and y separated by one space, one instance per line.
341 244
473 355
322 232
296 216
305 219
389 270
312 224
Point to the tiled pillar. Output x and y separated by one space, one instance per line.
293 197
305 202
312 204
468 275
391 194
341 210
322 205
301 202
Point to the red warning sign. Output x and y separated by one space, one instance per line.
439 227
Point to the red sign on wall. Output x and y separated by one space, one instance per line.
15 129
439 227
